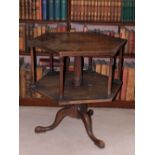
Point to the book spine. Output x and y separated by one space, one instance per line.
119 10
26 10
86 10
38 9
127 10
133 10
130 85
95 11
28 82
109 13
39 73
98 66
22 83
91 11
103 68
131 42
21 38
29 9
22 9
122 11
111 10
124 86
44 9
78 10
51 9
82 10
63 9
72 10
102 11
106 10
57 9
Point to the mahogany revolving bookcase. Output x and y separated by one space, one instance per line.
74 90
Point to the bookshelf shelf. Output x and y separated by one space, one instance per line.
105 23
47 102
23 53
28 21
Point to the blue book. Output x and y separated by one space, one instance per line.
63 9
57 9
51 9
44 9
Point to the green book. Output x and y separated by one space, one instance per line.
127 10
50 9
63 9
133 10
57 9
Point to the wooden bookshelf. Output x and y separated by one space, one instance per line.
105 23
48 102
68 22
28 21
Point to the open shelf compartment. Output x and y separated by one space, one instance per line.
93 89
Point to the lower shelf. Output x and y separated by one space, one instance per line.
49 103
94 88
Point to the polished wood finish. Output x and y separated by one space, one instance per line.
75 92
78 22
78 71
93 89
110 78
120 64
33 65
78 44
75 111
47 102
61 85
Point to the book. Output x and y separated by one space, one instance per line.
39 72
44 9
103 67
125 79
63 9
57 9
30 9
98 66
38 9
22 37
130 83
131 42
51 9
33 3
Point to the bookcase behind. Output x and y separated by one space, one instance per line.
41 16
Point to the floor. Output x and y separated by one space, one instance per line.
114 126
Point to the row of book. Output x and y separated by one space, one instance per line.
25 79
43 9
30 31
103 10
128 88
81 10
101 66
128 10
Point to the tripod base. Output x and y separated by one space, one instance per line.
75 111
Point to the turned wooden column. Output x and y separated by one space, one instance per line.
61 84
33 65
78 71
120 63
110 76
